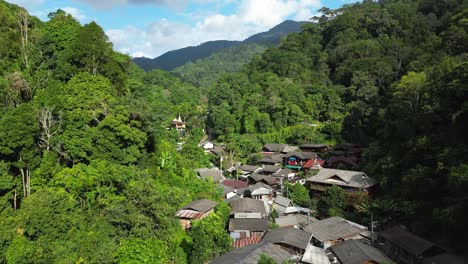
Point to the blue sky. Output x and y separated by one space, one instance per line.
151 27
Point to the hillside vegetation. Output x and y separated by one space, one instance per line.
88 171
389 75
178 58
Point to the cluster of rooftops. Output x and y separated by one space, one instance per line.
317 165
308 240
255 191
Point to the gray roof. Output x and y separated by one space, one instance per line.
233 198
249 168
274 147
224 188
257 177
215 173
289 236
283 173
283 201
406 240
249 189
251 254
357 252
302 155
356 179
270 169
285 221
251 224
315 255
333 228
290 149
203 205
275 158
247 205
313 146
302 219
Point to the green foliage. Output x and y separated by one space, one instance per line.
208 238
135 250
333 202
264 259
206 71
298 194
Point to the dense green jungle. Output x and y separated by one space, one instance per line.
89 172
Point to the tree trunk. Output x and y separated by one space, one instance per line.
23 26
28 182
23 179
14 200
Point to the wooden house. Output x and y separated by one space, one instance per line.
195 210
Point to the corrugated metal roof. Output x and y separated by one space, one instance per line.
202 205
250 224
289 236
189 214
315 255
255 237
333 228
355 179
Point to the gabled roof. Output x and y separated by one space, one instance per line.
274 147
295 220
288 149
270 180
315 255
283 201
257 177
357 252
302 155
347 178
249 168
203 205
283 173
270 169
252 188
247 205
214 173
289 236
313 146
334 228
406 240
250 224
272 158
224 188
235 184
251 254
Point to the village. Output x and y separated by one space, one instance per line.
265 222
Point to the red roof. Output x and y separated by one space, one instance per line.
189 214
243 241
235 184
308 164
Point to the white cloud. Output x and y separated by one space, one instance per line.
251 16
112 3
27 3
75 12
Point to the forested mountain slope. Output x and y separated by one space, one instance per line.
206 72
177 58
88 171
389 75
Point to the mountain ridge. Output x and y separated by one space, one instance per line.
176 58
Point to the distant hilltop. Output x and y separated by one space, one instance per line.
176 58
